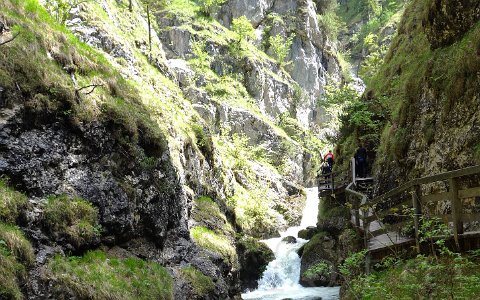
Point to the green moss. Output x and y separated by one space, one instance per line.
72 218
206 212
314 242
202 285
218 243
98 276
12 203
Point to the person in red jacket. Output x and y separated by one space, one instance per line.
329 158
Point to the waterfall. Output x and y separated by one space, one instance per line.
281 278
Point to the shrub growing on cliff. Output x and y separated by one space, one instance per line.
98 276
208 7
75 220
281 48
12 203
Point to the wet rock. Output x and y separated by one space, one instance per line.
307 233
289 240
254 257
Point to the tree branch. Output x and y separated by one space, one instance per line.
8 41
93 86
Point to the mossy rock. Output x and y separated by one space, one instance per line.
307 233
71 221
201 284
206 213
321 249
254 257
445 21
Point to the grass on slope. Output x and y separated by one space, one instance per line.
98 276
16 254
12 203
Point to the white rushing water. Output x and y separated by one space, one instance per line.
281 278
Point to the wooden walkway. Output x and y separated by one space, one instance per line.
382 218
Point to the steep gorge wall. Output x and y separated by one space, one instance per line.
147 141
431 76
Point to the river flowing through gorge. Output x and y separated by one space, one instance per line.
281 278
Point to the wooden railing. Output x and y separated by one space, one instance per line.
384 208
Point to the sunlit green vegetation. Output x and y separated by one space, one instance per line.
16 255
215 242
99 276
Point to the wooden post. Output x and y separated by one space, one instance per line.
352 162
416 194
356 208
456 210
365 240
333 182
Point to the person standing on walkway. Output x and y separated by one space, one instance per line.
361 161
329 158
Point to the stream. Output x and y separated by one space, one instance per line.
281 278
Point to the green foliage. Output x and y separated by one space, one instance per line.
420 278
281 48
218 243
353 265
331 22
98 276
202 58
60 9
208 7
201 284
319 269
243 28
72 218
12 203
16 254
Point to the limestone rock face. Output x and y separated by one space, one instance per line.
312 65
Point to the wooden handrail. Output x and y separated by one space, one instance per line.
425 180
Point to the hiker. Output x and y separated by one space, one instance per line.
329 159
326 170
361 161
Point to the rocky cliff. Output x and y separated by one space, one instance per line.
156 134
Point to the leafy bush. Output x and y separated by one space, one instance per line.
331 23
12 203
208 7
420 278
281 48
321 268
75 219
98 276
201 284
243 28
